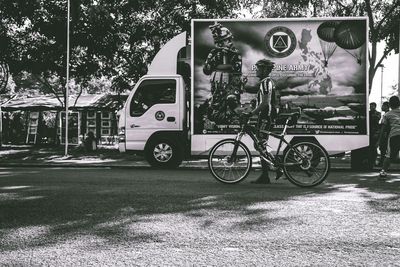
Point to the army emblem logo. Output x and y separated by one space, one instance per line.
280 42
159 115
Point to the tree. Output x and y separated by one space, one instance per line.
109 38
35 41
383 19
4 74
127 34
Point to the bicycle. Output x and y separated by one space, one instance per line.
304 163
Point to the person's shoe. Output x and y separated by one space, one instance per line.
279 173
382 175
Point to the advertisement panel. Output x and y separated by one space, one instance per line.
320 70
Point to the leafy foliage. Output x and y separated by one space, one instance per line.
117 39
109 38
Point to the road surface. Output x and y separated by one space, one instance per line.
108 217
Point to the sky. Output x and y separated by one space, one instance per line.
390 76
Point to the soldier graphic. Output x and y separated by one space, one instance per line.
224 66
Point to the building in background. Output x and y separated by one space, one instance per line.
41 119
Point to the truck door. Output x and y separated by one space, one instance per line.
154 106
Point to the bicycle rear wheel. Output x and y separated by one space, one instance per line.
226 167
306 164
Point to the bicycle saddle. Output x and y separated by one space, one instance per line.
293 117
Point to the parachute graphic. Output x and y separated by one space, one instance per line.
348 35
326 34
351 35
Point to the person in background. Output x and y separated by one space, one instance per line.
385 106
90 142
382 139
391 125
374 118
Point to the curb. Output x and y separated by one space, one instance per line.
144 166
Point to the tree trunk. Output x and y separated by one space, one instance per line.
371 71
1 128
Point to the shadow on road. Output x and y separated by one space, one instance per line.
388 191
41 207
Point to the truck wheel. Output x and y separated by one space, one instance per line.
163 153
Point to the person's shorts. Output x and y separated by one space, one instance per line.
393 147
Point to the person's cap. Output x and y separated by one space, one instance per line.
265 63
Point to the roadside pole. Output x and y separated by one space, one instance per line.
382 67
4 73
1 128
67 83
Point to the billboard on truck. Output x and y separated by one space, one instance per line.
320 70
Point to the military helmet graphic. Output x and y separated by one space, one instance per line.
225 33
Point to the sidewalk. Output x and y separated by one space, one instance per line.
25 155
31 156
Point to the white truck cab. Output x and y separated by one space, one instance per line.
154 116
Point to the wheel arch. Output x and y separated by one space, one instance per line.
298 139
175 136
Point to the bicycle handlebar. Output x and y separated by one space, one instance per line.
290 119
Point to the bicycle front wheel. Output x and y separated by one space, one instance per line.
306 164
227 167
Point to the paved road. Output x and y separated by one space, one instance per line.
101 216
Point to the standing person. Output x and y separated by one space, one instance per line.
90 142
383 139
265 110
391 125
374 118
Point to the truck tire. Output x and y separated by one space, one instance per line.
163 153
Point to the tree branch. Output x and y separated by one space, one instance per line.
370 16
346 9
48 86
8 100
385 54
369 55
387 14
352 8
4 79
341 4
77 97
124 56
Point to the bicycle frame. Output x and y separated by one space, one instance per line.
250 130
296 157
